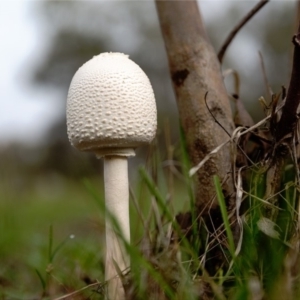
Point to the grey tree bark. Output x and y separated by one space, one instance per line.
195 71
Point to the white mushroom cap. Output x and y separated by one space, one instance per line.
110 106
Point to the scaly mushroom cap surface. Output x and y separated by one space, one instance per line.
110 105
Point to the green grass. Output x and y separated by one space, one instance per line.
52 239
25 219
38 257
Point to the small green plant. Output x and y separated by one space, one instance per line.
45 279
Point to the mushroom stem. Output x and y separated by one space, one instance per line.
117 209
111 111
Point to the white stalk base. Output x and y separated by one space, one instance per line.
117 212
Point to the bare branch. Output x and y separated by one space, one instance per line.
290 110
267 85
238 27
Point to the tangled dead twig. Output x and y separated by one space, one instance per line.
96 284
238 132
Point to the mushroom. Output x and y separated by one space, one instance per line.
111 111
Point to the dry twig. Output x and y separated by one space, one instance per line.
238 27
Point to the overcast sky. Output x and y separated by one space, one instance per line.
25 113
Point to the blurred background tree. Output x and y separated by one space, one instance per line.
75 31
80 30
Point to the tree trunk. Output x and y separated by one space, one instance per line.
195 71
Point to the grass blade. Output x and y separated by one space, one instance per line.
43 282
223 208
50 244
